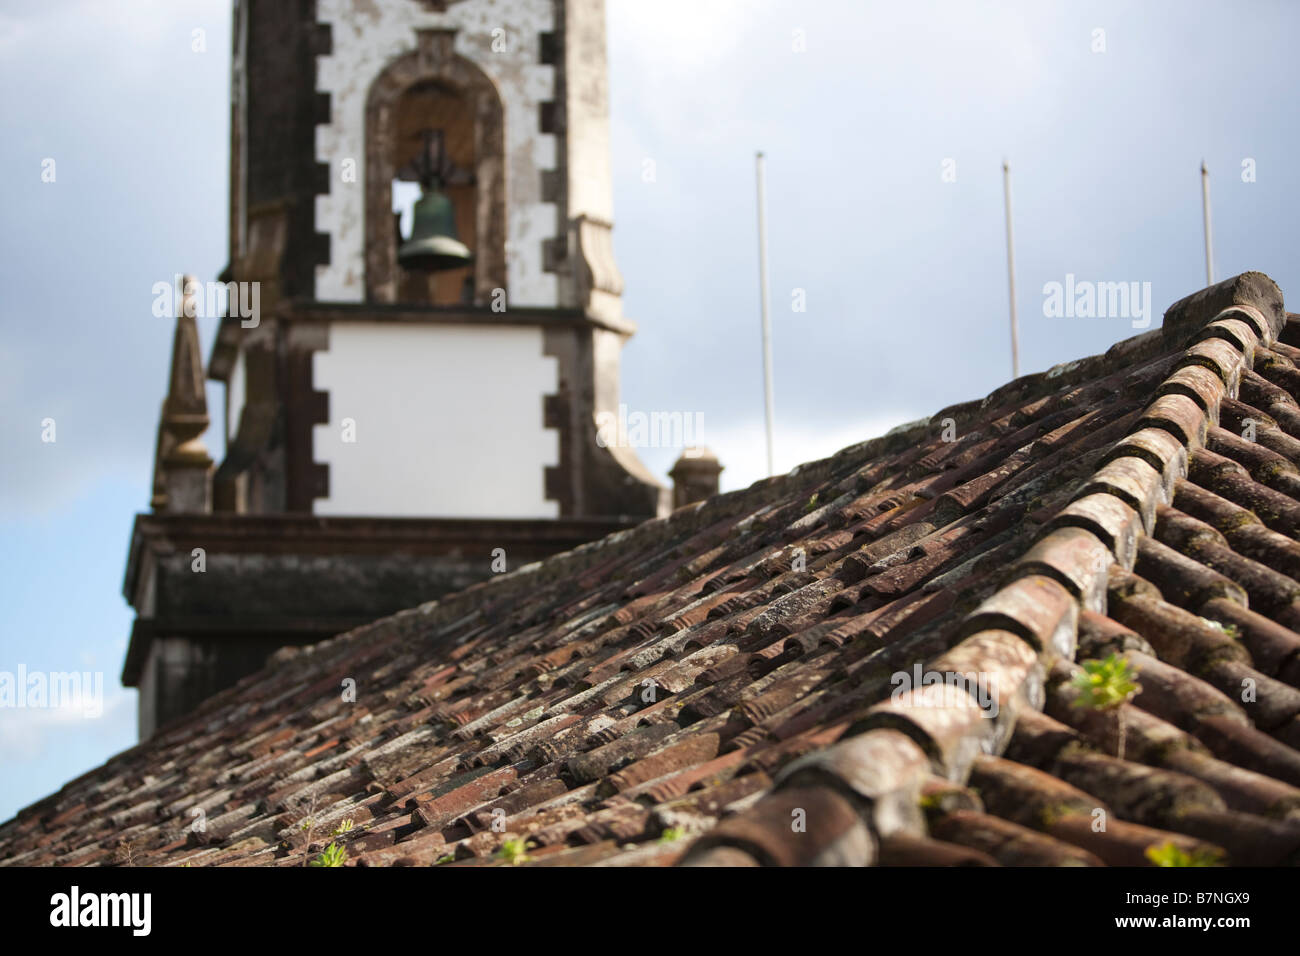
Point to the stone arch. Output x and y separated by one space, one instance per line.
435 61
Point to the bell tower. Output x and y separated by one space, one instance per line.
424 326
422 190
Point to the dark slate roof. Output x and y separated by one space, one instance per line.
722 686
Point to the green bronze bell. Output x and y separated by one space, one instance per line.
433 246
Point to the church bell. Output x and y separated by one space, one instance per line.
433 246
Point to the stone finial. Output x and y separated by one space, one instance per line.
695 476
182 466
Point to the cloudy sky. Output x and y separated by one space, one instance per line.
1104 111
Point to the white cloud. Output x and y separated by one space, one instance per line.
33 734
13 33
741 447
744 451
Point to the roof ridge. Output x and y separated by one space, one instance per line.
1031 620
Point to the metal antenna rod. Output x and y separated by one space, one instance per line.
1011 272
1205 209
767 318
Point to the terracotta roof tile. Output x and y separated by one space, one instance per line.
1007 842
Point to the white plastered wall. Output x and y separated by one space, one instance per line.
367 35
447 421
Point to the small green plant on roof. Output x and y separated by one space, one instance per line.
444 859
514 852
812 503
929 801
343 828
1170 854
1054 812
1231 630
307 825
1108 685
672 834
332 855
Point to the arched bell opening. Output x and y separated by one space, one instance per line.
433 151
434 180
